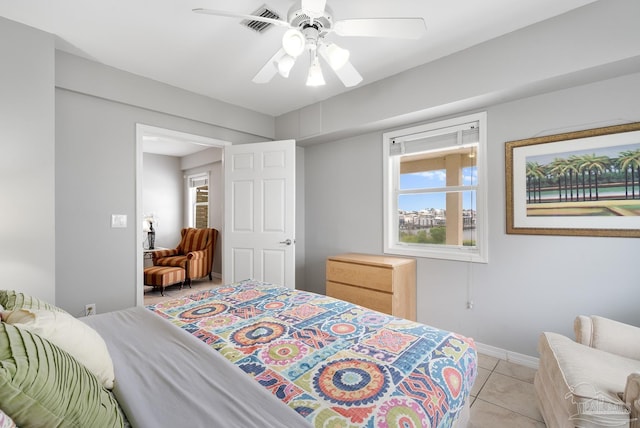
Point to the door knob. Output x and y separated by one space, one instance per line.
286 242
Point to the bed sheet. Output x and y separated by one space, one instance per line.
333 362
167 378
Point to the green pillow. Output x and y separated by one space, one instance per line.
12 300
41 385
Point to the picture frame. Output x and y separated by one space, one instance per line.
583 183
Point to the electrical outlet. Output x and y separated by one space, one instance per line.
89 309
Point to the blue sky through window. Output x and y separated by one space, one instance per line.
433 180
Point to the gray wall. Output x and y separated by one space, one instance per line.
531 283
27 220
300 241
96 155
163 194
90 77
96 112
95 138
590 43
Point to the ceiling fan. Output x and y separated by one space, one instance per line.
308 22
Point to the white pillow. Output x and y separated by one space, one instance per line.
6 421
73 336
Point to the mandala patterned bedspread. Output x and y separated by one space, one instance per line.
335 363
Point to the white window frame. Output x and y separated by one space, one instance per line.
391 173
193 182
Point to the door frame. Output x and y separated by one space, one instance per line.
143 130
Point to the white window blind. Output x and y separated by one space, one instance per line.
444 138
198 181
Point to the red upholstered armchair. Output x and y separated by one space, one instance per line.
194 253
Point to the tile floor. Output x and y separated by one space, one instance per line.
502 396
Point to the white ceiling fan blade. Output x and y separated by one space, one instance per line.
314 8
270 69
238 15
348 75
398 28
346 72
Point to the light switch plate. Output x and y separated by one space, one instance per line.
118 220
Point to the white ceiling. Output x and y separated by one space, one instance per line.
217 57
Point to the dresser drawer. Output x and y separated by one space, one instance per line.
366 276
372 299
383 283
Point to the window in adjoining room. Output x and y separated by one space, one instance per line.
199 201
435 190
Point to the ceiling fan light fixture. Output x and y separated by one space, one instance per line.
315 77
285 64
337 56
293 42
307 23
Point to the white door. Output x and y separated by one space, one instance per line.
259 230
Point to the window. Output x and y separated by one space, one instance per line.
199 201
435 190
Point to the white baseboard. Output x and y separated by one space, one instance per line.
503 354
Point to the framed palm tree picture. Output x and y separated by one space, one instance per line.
584 183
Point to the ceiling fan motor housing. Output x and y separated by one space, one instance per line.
311 36
298 18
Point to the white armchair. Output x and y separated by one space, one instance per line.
593 381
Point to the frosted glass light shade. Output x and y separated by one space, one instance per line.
293 42
315 77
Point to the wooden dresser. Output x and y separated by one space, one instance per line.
382 283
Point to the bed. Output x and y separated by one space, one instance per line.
254 354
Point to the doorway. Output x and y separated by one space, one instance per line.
191 149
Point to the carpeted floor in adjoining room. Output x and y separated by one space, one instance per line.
152 296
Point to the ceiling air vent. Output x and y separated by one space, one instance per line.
259 26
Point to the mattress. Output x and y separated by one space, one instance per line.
332 362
